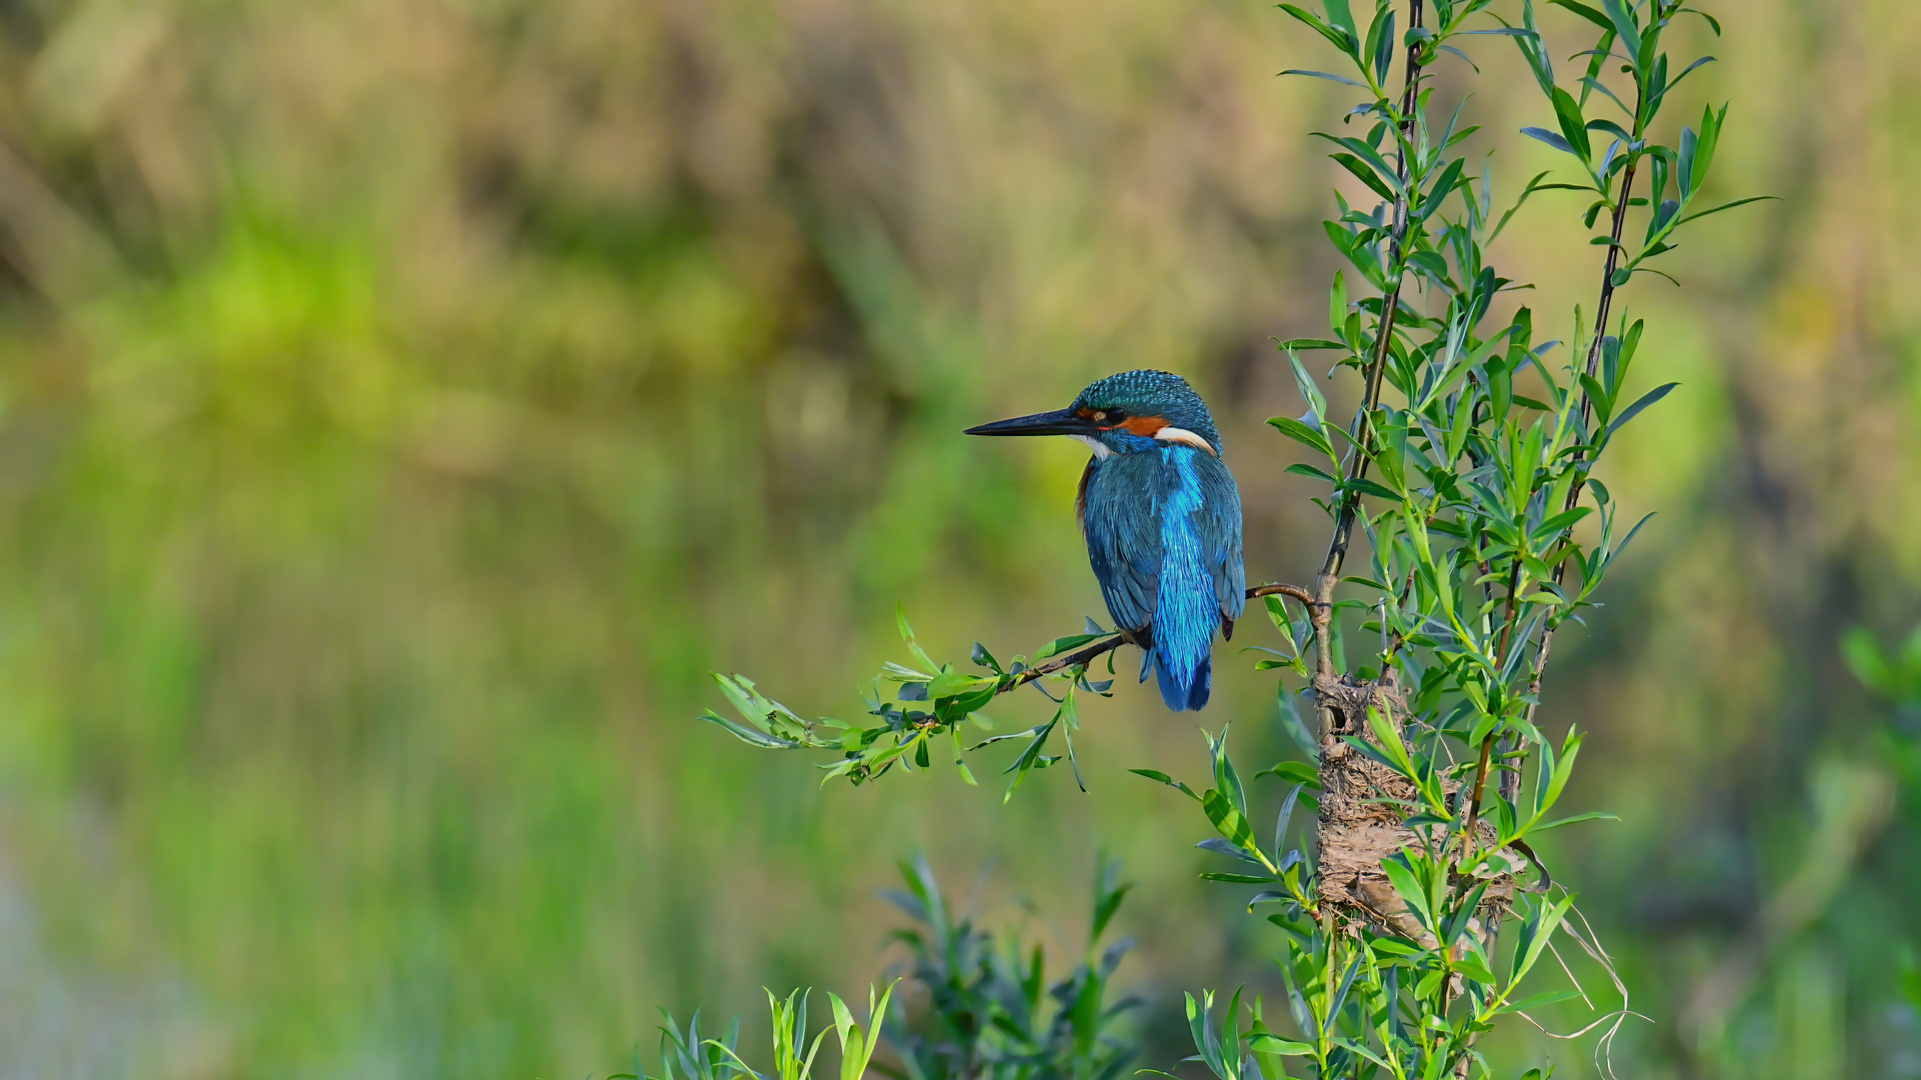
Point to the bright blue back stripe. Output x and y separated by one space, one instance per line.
1188 612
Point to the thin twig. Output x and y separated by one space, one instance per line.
1511 781
1088 653
1306 598
1487 744
1321 612
1079 656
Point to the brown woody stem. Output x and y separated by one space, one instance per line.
1082 655
1295 592
1511 781
1321 611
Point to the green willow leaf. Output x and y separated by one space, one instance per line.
1585 12
1549 138
1728 206
1643 402
1301 433
1573 127
1328 76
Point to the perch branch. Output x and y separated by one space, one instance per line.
1087 653
1082 655
1306 598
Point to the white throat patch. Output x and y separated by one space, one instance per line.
1182 435
1100 448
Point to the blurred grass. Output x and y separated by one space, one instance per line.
402 405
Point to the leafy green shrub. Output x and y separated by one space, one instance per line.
684 1051
989 1012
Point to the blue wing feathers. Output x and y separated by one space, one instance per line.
1218 523
1163 533
1123 536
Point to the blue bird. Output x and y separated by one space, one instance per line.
1162 519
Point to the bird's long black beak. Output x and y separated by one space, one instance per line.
1061 422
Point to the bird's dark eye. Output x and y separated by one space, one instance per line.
1116 415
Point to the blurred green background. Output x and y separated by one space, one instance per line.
405 403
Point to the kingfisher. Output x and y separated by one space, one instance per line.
1162 519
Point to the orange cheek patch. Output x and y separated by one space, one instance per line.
1144 426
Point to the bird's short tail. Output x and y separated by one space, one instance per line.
1180 693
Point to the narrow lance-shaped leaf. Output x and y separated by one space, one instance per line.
1641 403
1573 128
1317 404
1535 941
1341 38
1625 27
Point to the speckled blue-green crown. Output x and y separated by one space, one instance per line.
1153 393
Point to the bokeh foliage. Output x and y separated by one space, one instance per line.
405 404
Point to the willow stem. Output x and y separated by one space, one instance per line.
1511 781
1321 612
